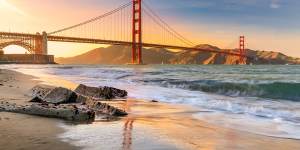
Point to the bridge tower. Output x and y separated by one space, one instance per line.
41 43
137 32
44 43
38 44
242 50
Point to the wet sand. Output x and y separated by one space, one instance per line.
175 122
18 131
149 126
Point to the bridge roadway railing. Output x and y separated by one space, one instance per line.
112 42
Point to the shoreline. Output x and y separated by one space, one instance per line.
20 131
172 124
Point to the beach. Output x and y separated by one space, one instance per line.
149 125
18 131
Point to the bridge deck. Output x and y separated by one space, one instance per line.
111 42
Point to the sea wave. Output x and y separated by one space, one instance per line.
258 99
274 90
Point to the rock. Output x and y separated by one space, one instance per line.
105 108
88 97
108 109
36 100
100 92
67 112
81 99
154 101
39 92
60 95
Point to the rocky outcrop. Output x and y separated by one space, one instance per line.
105 108
82 99
60 95
67 112
39 92
59 102
100 92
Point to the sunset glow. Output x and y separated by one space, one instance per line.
202 22
6 5
149 74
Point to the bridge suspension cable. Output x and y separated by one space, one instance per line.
116 25
112 25
167 29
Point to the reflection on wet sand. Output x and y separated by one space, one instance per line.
127 134
128 126
174 124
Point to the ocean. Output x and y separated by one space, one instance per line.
263 99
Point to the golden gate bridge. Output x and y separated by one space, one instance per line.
132 24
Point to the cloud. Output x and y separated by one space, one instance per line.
275 4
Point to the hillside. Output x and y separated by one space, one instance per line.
122 55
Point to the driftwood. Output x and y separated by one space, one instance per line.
67 112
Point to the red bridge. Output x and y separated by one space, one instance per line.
127 25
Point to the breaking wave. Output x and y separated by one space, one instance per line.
275 90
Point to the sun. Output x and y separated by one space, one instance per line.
4 4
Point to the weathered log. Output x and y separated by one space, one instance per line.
67 112
100 92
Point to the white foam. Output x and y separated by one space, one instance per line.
262 126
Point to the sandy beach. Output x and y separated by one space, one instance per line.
18 131
149 125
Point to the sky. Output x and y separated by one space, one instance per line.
267 24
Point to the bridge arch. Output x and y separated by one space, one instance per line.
30 48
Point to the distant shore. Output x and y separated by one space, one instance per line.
149 125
